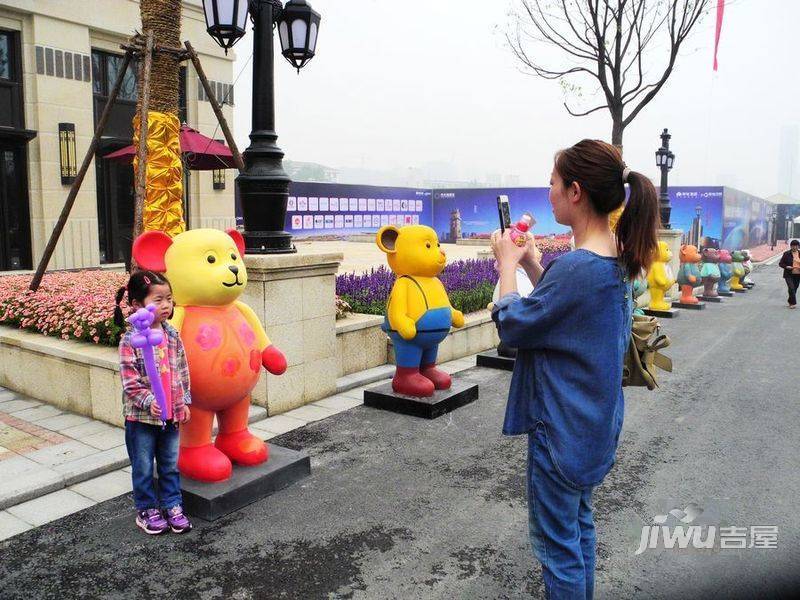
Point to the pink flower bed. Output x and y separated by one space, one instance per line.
78 306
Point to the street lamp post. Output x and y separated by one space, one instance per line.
665 159
773 223
263 185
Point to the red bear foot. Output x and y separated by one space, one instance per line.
440 379
204 463
242 447
409 382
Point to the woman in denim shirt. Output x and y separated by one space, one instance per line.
571 334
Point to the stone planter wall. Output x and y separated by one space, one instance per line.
79 377
360 343
84 378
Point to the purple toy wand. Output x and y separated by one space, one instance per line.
147 339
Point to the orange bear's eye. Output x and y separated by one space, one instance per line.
428 245
211 260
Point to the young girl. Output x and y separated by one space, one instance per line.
571 334
146 436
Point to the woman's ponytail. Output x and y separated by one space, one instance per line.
119 317
636 230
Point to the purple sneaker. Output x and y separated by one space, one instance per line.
178 522
151 521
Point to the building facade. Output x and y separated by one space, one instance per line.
58 61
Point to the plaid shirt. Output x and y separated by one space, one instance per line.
137 395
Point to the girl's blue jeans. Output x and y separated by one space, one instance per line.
146 443
561 526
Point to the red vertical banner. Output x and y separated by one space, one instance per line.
720 12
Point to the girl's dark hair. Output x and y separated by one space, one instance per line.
794 243
137 289
598 168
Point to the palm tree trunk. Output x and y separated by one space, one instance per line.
163 205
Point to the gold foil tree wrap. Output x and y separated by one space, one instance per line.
163 203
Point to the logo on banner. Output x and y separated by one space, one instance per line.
291 205
297 222
308 222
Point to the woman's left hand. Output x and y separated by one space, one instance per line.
506 252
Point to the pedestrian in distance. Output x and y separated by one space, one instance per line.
790 264
571 336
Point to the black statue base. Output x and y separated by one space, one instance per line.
710 298
664 314
688 305
442 401
210 501
726 294
493 360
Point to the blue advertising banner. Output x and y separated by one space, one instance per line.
745 220
697 211
332 209
472 213
708 215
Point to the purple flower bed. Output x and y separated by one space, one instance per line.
469 284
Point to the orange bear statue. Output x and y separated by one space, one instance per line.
225 344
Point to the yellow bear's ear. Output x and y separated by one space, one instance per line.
387 238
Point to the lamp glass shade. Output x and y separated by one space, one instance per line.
225 20
298 29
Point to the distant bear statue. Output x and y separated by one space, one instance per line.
710 272
689 273
747 263
725 272
738 271
660 278
418 313
225 344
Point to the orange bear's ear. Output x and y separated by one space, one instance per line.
149 250
237 239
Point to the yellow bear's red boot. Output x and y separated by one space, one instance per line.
410 382
242 447
204 463
440 379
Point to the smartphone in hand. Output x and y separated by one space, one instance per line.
504 211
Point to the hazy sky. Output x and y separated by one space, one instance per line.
401 84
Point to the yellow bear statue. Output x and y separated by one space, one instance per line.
660 278
226 346
418 314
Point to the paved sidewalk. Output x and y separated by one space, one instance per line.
58 463
43 449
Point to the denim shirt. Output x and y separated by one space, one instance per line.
571 334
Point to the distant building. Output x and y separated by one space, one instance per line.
58 62
455 225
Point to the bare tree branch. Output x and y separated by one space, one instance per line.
607 40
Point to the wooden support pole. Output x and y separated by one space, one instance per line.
141 151
237 157
76 185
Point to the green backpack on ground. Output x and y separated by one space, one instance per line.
643 355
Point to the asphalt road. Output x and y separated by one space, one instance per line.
398 507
